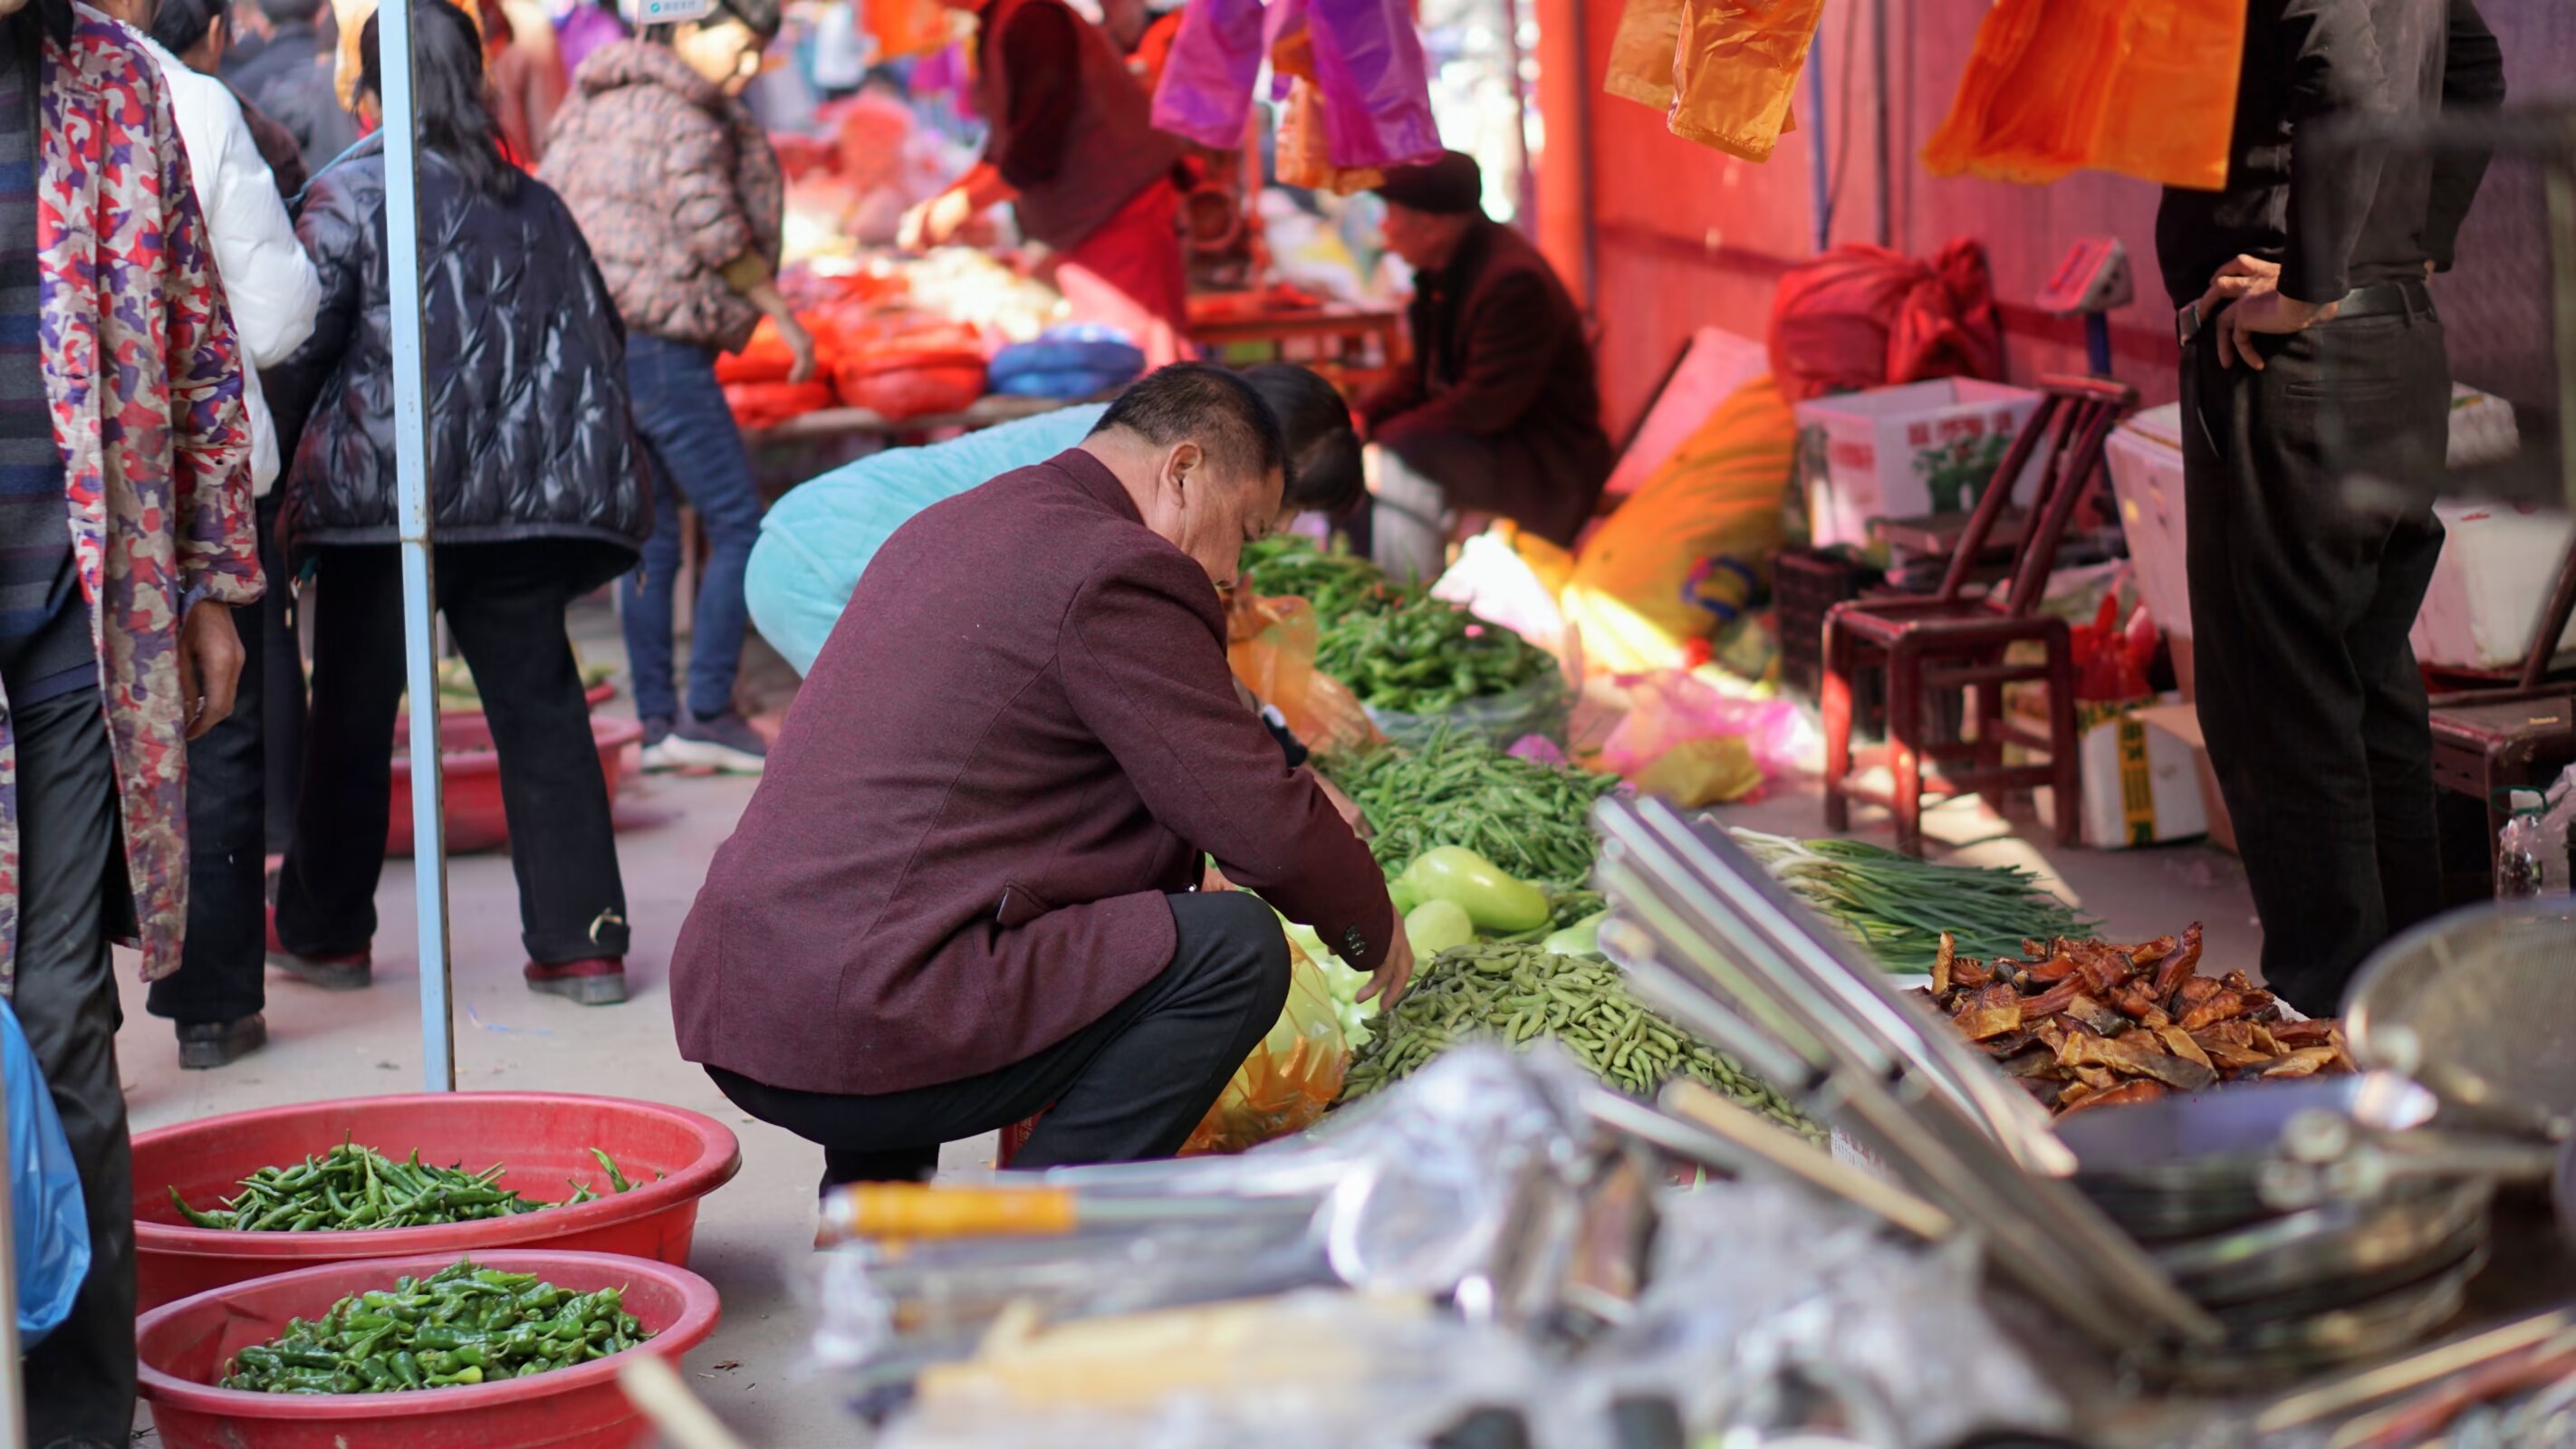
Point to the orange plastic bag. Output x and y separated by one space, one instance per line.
1271 644
905 27
1735 64
1641 53
2055 86
1290 1078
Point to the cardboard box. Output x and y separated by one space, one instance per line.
2181 723
2144 455
2140 785
1902 452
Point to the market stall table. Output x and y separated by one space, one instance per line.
1354 345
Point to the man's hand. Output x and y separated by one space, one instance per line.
210 665
1386 984
2268 312
2243 275
800 342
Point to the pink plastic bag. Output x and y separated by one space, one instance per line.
1376 88
1206 94
1669 707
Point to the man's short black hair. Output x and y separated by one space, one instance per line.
1324 474
1195 402
180 24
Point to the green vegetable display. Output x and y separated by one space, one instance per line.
1435 926
1423 656
1530 819
1897 907
1337 584
1493 900
352 1187
1522 993
462 1325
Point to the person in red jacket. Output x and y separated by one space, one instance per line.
962 894
1074 150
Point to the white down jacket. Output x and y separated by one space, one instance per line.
267 278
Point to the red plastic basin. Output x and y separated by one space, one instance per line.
184 1347
475 819
543 1138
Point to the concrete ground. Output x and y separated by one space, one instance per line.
753 1235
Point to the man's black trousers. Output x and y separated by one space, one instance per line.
1127 1087
80 1380
2301 605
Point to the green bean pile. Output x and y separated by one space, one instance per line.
1897 907
462 1325
351 1187
1457 788
1521 993
1426 657
1337 584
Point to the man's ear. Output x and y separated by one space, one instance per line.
1184 465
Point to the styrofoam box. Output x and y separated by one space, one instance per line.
2496 566
1901 452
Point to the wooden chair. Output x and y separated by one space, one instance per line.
1950 643
2489 741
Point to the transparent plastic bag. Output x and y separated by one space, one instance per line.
1541 707
49 1220
1290 1078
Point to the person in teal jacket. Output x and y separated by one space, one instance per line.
815 542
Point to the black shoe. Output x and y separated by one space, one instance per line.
207 1044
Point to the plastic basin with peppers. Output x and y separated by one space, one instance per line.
184 1347
674 1157
475 819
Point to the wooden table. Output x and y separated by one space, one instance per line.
1354 345
987 411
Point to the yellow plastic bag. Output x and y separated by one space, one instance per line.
1290 1078
1271 645
1735 63
1709 770
2055 86
1694 541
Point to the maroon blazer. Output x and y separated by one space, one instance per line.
1018 739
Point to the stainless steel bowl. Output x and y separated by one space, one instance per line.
2479 1006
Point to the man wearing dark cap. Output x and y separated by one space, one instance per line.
1073 148
1499 412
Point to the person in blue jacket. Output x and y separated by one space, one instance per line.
816 541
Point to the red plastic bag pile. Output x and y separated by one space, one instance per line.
908 367
2111 658
1860 317
902 364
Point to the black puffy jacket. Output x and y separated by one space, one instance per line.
529 432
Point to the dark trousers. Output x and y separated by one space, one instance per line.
1129 1086
504 604
2301 605
698 459
281 688
223 966
80 1380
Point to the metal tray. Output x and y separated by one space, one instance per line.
2270 1354
2480 1006
2406 1234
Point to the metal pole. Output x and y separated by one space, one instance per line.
1525 195
1820 182
411 464
1886 125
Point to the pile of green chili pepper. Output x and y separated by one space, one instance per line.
1522 993
1424 656
462 1325
1897 907
351 1187
1457 788
1337 584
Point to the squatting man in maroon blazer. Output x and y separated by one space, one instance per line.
962 894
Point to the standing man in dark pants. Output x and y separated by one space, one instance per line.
2309 345
125 543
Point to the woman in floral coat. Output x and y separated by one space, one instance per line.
134 362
